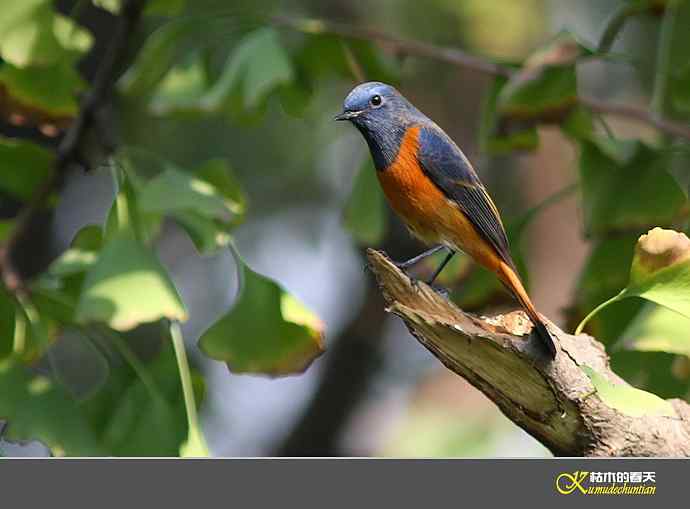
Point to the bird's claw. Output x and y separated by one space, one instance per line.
442 291
415 284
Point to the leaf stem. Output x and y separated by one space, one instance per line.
601 306
195 438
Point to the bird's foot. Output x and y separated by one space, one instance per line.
442 291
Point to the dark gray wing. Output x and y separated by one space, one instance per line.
447 167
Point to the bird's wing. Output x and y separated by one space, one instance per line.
448 168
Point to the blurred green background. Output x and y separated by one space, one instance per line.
227 93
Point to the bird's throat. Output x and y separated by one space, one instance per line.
384 144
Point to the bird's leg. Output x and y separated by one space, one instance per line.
413 261
441 267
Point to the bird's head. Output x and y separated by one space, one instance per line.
382 115
374 104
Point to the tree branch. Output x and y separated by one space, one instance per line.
553 401
465 60
68 151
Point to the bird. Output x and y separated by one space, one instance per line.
431 185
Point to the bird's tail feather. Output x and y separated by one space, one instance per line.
512 281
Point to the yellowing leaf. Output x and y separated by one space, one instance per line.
660 269
660 272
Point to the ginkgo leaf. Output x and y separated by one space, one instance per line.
266 331
660 272
627 399
658 329
128 286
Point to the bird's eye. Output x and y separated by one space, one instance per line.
376 101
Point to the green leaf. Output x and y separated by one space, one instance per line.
5 228
192 194
153 8
658 329
7 318
627 399
38 409
46 93
365 215
681 90
112 6
651 195
144 418
180 90
56 292
162 50
73 261
678 65
208 202
189 194
660 272
89 238
78 364
34 330
546 86
128 286
500 135
258 66
24 167
34 34
323 56
267 331
678 157
218 173
124 215
164 7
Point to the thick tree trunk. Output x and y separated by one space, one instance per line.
554 401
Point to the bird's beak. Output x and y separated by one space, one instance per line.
347 115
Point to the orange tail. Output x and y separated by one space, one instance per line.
512 281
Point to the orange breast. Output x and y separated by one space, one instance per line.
424 208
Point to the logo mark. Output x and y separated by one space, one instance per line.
567 483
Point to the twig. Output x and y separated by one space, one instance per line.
395 44
637 113
68 150
464 60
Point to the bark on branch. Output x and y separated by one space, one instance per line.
553 401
